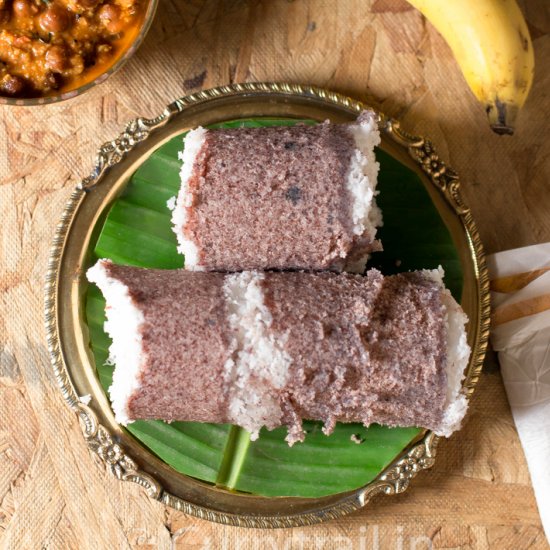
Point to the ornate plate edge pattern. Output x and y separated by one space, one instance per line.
396 478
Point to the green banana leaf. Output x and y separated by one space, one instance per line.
137 231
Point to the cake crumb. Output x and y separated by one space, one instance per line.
356 438
398 263
85 399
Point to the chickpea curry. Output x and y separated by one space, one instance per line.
53 46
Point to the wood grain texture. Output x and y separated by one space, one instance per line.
53 493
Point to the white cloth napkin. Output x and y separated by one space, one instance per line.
520 333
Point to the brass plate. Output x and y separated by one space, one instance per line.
67 332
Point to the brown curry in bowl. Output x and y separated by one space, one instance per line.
48 47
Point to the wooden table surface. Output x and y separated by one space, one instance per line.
53 494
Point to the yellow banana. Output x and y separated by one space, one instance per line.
491 43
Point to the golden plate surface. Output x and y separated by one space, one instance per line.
67 331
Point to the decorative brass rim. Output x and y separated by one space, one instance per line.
418 456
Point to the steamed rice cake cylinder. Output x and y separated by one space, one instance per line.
272 349
170 342
373 349
282 197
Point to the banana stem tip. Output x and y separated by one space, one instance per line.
502 117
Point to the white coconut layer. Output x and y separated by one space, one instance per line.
362 177
123 325
192 144
458 354
260 364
